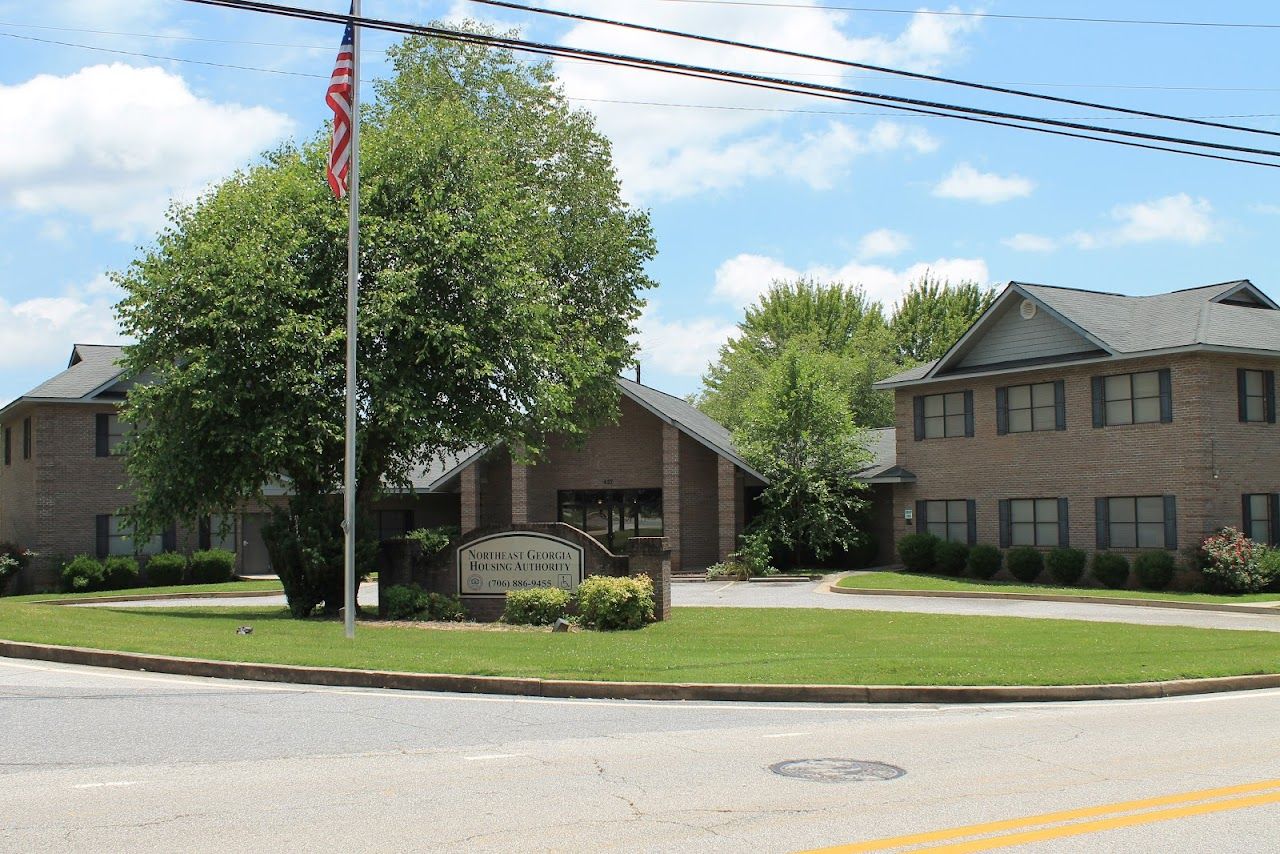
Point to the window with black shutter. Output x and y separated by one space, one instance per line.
949 520
1256 392
1138 522
945 416
1035 522
1028 408
1145 397
1260 522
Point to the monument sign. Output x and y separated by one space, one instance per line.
518 560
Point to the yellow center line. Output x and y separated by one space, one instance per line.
1052 818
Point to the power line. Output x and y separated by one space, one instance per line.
907 105
1155 22
506 4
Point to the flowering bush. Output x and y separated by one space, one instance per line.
1235 562
12 558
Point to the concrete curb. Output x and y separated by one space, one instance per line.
1220 607
159 597
561 688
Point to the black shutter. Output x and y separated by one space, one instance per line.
918 404
1002 411
1166 396
1059 405
8 446
1100 516
1274 500
102 429
1246 517
968 413
1170 523
169 541
971 511
1269 388
1006 532
1064 530
206 534
103 534
1242 399
921 519
1099 402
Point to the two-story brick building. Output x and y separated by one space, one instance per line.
1095 420
663 468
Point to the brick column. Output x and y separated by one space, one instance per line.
470 494
728 498
671 491
519 493
650 556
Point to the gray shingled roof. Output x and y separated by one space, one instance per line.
883 445
92 366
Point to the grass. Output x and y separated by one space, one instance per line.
697 645
223 587
911 581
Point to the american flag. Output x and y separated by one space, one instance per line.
339 100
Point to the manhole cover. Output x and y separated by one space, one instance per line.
836 770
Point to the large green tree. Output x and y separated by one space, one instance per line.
831 319
501 278
933 314
797 430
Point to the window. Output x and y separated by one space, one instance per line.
1142 522
218 532
26 438
947 520
116 538
1141 398
393 524
1262 518
8 446
944 416
1033 522
109 432
1028 408
613 516
1257 395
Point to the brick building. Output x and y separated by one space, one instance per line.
1095 420
663 468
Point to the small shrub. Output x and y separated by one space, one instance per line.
12 559
608 603
447 609
756 554
1110 569
950 558
215 566
82 575
917 551
432 540
1235 563
984 561
165 570
730 569
411 602
1025 563
119 573
1154 569
537 607
1066 565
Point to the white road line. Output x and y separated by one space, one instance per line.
112 783
785 734
726 587
492 756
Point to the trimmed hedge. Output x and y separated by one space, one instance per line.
984 561
1110 569
1154 569
950 558
212 567
918 551
411 602
82 574
1067 565
120 573
609 603
538 607
165 570
1025 563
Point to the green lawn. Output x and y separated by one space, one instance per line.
225 587
911 581
697 645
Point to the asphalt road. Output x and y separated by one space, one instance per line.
100 760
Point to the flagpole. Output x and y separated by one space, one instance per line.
353 289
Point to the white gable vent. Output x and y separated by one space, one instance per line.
1027 309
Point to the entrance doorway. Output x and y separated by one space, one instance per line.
253 548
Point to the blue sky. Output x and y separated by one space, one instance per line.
743 186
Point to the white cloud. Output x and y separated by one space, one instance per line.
987 188
665 152
882 243
41 330
115 143
1171 219
1023 242
1265 208
742 279
682 347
